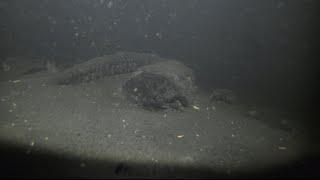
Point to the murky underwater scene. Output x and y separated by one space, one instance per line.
158 88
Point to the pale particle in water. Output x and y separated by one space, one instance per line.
165 115
109 135
232 135
197 135
213 108
3 100
10 110
135 89
180 136
32 143
46 138
29 129
12 124
25 121
196 107
123 120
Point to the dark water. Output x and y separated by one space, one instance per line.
263 50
